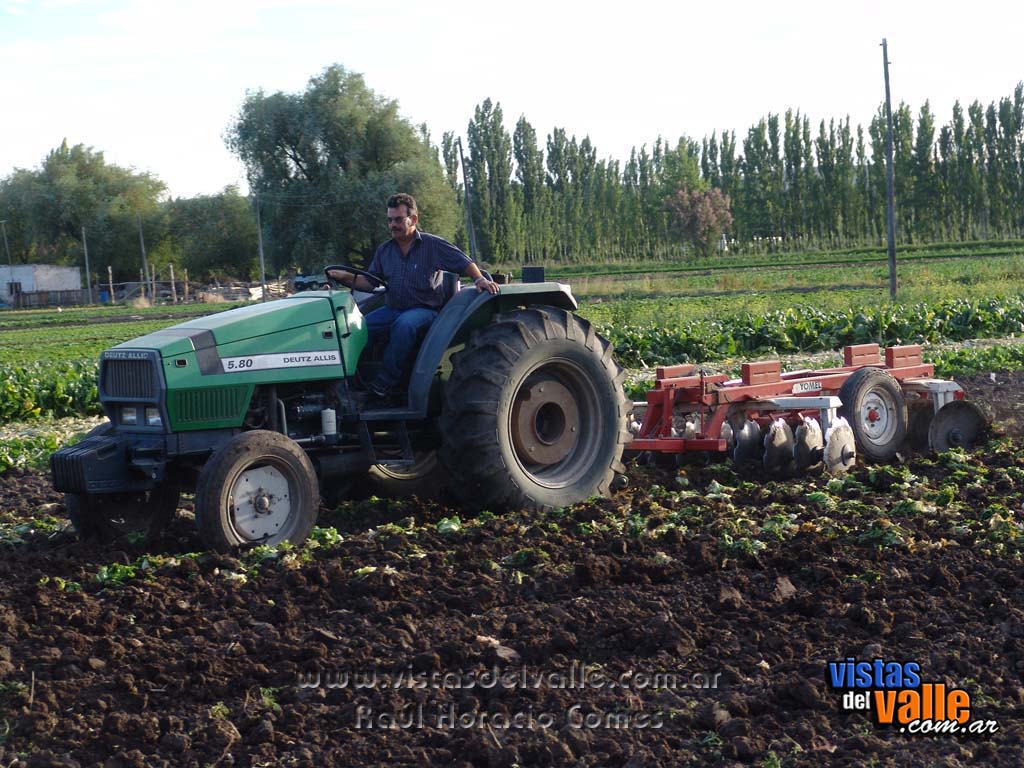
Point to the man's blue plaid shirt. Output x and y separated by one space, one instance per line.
415 280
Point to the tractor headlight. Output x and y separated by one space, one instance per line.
153 418
130 416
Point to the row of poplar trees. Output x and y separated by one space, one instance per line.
788 185
322 162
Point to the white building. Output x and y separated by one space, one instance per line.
27 278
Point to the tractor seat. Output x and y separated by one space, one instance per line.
450 285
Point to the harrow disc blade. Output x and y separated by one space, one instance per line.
748 442
958 424
809 444
840 448
778 447
727 435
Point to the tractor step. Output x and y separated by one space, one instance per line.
388 447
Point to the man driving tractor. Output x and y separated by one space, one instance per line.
411 262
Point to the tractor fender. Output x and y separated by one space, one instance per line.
467 310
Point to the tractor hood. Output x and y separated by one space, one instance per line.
202 374
236 325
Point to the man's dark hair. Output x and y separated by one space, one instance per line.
403 199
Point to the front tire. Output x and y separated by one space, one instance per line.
534 413
260 488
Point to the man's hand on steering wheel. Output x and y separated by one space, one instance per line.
333 274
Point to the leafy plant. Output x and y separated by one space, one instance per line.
449 525
269 698
115 574
325 537
526 558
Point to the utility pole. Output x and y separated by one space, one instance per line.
145 264
259 238
890 215
469 205
10 263
88 276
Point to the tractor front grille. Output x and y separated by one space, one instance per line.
194 406
128 378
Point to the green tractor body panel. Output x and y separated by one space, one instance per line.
210 366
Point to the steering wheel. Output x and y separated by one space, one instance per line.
381 282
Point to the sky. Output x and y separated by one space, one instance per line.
155 85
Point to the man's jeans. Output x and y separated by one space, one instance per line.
401 328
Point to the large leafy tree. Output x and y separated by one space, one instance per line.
323 163
74 187
700 218
215 235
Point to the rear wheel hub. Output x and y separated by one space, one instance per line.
545 421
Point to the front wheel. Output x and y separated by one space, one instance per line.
534 413
260 488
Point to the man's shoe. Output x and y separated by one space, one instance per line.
377 389
380 396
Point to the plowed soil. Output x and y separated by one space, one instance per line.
415 639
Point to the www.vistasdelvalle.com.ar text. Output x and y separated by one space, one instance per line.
578 676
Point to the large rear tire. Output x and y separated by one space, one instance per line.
534 413
259 488
876 410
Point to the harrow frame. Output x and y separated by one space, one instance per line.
764 393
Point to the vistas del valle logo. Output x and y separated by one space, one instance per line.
897 697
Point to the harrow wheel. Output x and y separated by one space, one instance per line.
919 422
876 410
748 443
840 452
779 444
809 444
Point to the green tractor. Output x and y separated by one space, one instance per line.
513 401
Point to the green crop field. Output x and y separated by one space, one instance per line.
39 318
973 251
664 298
82 333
